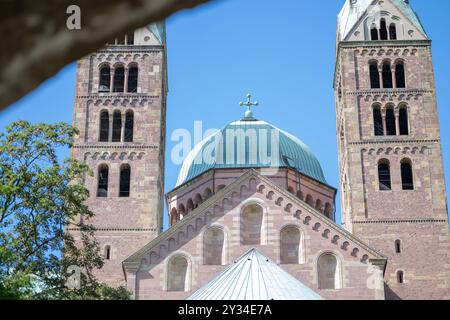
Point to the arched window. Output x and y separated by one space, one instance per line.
383 30
173 216
129 126
403 121
374 76
125 177
290 245
190 205
378 121
328 272
117 126
387 76
197 200
400 75
119 79
132 79
391 129
102 184
328 210
300 194
374 32
130 38
398 246
384 175
309 200
318 205
181 211
107 253
104 126
291 190
213 246
393 31
407 175
177 279
400 277
105 79
251 225
207 193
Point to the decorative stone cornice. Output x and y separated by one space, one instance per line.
118 229
389 94
386 43
114 155
117 95
396 150
395 221
124 55
119 99
132 267
380 263
129 48
384 141
112 146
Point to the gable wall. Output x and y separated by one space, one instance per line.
357 276
386 10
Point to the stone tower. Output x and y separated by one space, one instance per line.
390 158
120 111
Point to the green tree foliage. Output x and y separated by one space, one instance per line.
40 198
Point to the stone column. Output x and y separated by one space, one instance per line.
397 122
380 72
122 129
394 78
383 117
111 80
110 127
131 269
125 85
375 280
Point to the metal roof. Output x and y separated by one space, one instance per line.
250 143
157 28
351 13
254 277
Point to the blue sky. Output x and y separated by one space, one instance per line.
283 54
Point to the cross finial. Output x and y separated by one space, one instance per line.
249 104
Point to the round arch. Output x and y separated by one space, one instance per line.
329 271
260 220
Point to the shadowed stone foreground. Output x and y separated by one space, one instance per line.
36 42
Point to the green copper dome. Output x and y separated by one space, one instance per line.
250 143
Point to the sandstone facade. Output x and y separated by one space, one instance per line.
124 224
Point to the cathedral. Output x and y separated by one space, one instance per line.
252 215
